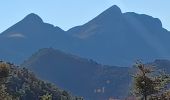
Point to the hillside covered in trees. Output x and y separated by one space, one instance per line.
21 84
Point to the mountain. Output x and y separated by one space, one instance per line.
81 76
85 77
30 34
118 38
21 84
112 38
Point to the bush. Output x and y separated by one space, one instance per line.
4 70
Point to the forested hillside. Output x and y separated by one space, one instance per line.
21 84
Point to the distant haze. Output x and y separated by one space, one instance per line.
69 13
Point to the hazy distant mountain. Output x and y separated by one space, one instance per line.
80 76
113 38
120 38
84 77
30 34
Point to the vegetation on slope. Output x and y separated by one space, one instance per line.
21 84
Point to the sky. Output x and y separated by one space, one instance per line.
69 13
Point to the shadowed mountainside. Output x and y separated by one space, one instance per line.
81 76
85 77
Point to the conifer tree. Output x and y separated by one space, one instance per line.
149 82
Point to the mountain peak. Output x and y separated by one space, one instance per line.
114 10
112 13
33 18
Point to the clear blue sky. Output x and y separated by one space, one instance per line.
69 13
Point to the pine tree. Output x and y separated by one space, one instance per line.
149 82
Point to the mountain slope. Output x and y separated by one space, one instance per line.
118 38
81 76
30 34
85 77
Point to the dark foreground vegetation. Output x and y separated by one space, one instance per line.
150 83
21 84
16 83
